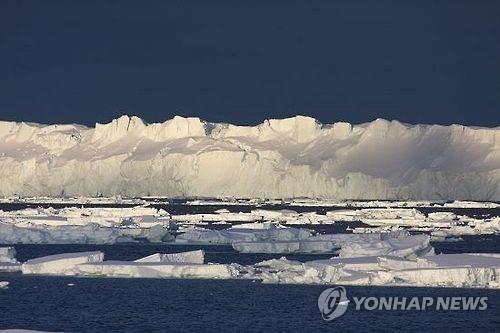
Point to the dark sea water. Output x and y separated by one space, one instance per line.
151 305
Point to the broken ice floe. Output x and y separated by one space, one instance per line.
452 270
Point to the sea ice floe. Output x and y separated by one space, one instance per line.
61 264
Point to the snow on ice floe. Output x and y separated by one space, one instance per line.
61 264
280 158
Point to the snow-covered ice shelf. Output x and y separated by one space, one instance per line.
280 158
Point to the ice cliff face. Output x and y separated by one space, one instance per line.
278 158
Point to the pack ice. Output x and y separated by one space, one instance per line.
280 158
169 265
84 225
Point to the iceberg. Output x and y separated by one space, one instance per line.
279 158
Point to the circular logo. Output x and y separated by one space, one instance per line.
332 303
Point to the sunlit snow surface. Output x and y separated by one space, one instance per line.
280 158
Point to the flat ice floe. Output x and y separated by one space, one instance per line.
61 264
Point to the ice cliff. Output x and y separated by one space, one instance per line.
294 157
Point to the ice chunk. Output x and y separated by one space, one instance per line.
61 264
4 284
8 255
10 267
190 257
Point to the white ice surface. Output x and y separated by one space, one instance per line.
61 264
280 158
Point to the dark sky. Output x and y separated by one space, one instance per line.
244 61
